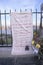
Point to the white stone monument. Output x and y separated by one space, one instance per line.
22 33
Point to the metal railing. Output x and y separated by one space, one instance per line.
5 38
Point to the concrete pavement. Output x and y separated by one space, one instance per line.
7 59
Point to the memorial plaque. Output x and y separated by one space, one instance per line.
22 33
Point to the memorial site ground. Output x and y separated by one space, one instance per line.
7 59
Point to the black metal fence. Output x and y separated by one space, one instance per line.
5 37
5 31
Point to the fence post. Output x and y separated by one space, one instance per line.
25 10
5 28
36 20
15 10
20 10
11 29
0 29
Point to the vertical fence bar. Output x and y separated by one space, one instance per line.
20 10
41 21
15 10
0 29
5 28
36 20
25 10
31 10
10 29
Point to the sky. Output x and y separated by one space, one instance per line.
19 4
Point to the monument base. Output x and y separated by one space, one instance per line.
21 51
